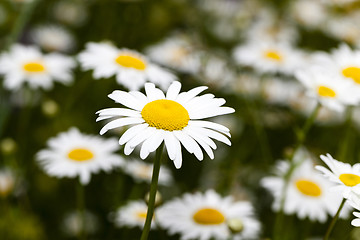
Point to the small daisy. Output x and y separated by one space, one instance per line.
327 89
132 214
53 38
74 13
345 176
23 64
307 193
174 118
205 216
176 52
72 154
142 171
268 57
344 61
309 13
131 68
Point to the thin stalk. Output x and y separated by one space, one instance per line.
301 136
333 221
153 189
80 197
19 25
344 146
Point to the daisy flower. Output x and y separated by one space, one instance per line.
72 154
205 216
53 38
72 224
268 56
176 52
345 176
131 68
307 193
344 61
174 118
327 89
142 171
132 214
26 64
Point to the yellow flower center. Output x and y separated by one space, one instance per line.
165 114
349 179
208 216
353 73
34 67
308 188
80 154
326 92
273 55
131 62
141 214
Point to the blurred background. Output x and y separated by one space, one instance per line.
196 40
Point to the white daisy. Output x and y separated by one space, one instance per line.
205 216
345 176
307 193
132 214
174 118
24 64
327 89
70 12
344 61
176 52
309 13
72 154
53 38
142 171
268 56
131 68
72 224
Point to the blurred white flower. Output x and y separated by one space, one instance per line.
72 154
176 52
131 68
26 64
308 194
309 13
70 12
7 182
72 224
206 216
53 38
133 214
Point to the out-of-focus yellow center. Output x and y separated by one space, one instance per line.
208 216
34 67
326 92
353 73
131 62
80 154
141 215
308 188
349 179
273 55
165 114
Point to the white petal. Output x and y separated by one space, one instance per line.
173 90
131 132
119 123
187 96
211 125
189 143
171 144
127 100
214 135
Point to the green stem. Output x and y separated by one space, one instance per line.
344 146
24 17
153 189
80 195
301 136
333 221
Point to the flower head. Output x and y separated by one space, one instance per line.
173 118
345 176
307 192
131 68
72 154
24 64
206 216
133 214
